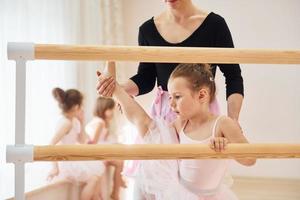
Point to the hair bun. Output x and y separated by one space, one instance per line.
59 94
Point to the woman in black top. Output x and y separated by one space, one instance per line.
183 25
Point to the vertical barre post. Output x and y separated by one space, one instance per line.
20 52
20 114
20 181
20 102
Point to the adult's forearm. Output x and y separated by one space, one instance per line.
130 87
234 105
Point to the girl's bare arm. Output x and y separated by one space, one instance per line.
231 130
133 111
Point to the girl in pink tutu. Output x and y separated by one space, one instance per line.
69 131
182 24
98 130
192 90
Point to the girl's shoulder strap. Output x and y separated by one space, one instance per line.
215 125
184 123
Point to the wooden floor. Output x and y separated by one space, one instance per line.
244 187
266 188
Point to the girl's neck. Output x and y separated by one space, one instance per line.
69 115
106 121
200 118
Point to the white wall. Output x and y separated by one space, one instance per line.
65 22
39 22
271 109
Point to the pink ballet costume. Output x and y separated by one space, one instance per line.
161 110
158 179
104 137
204 177
180 179
78 171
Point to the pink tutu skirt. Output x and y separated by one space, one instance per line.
80 171
160 180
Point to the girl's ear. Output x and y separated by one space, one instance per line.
202 94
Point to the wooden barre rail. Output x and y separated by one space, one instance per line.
170 151
166 54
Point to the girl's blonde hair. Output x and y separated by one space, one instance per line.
103 104
198 75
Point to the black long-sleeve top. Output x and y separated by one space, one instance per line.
213 32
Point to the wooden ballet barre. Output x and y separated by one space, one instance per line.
166 54
162 152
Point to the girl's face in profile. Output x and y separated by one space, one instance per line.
182 100
76 111
109 114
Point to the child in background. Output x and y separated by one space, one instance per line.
69 131
98 130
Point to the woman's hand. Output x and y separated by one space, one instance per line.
105 86
218 144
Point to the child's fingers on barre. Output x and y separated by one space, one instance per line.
219 143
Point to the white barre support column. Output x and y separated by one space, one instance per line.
21 53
